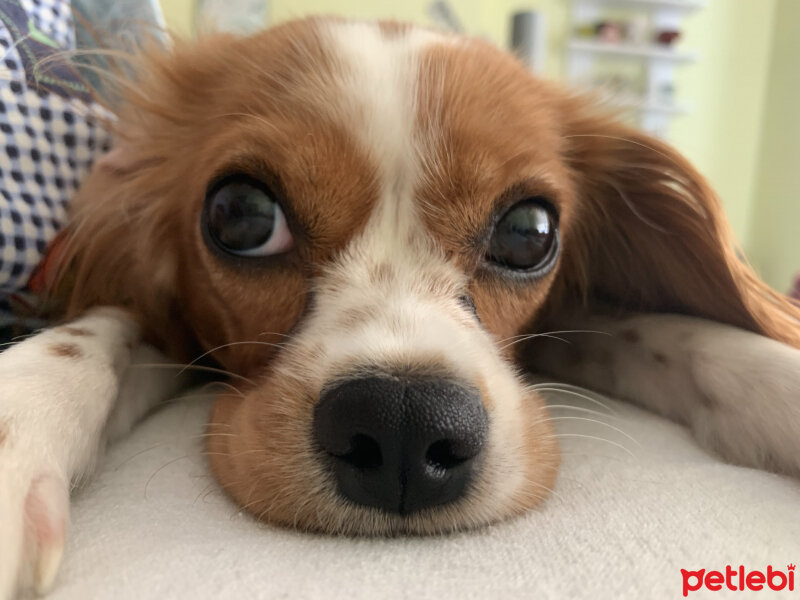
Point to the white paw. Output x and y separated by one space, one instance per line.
56 392
34 512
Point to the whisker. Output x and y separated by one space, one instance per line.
158 445
525 335
547 489
139 453
195 368
534 335
234 389
592 437
161 468
229 455
609 425
552 388
221 346
215 434
205 492
581 409
591 455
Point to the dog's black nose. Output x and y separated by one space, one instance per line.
402 444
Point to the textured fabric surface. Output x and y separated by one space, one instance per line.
152 524
50 128
54 19
49 131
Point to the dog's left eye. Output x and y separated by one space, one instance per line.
525 238
243 218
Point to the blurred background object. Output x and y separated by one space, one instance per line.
612 40
239 16
443 15
729 95
529 38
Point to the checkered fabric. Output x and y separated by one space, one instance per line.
54 19
49 131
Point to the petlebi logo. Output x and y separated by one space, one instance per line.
739 579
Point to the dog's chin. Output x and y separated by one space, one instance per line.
263 455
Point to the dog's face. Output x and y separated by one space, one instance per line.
358 219
368 222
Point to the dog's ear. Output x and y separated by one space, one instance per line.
120 248
130 223
650 235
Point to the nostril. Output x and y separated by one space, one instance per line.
364 453
442 455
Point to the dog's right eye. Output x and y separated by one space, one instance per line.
242 217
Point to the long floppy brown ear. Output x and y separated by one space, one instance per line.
650 235
119 250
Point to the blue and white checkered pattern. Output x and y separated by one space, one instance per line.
54 19
50 129
47 144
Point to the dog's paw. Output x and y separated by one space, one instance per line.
34 511
57 390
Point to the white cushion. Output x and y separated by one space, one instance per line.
152 524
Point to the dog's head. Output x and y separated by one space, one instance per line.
358 219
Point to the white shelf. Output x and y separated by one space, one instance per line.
650 51
684 4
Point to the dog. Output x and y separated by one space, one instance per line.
374 230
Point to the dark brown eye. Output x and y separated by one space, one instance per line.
243 218
525 238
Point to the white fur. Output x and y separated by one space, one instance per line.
377 84
738 391
57 406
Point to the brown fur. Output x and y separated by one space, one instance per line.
640 230
651 235
66 350
135 240
485 119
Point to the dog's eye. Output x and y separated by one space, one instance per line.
525 237
243 218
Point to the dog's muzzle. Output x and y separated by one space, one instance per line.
402 444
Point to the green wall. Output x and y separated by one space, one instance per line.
179 15
775 232
727 89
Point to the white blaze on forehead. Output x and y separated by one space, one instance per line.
377 101
413 308
393 275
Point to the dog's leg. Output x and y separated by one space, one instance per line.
738 391
58 391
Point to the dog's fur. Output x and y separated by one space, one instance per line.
393 150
